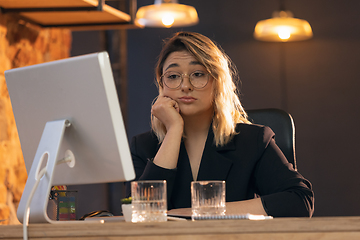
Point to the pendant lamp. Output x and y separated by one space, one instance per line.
282 27
167 13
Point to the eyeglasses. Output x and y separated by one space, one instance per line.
173 80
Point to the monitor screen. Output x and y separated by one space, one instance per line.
82 91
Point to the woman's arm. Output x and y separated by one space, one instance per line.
252 206
284 191
167 111
152 162
144 148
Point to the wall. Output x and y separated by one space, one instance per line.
21 44
322 77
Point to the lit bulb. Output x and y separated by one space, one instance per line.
284 33
167 20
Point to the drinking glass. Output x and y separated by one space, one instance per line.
208 198
149 202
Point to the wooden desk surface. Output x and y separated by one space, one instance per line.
281 228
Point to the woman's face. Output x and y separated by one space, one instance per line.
192 101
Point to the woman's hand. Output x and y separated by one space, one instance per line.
167 111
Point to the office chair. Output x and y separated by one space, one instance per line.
283 126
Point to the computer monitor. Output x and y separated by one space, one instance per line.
68 109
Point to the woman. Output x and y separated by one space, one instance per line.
200 131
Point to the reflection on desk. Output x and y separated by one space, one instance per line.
278 228
122 219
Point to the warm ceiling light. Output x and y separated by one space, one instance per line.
167 13
282 27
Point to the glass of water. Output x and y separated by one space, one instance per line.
208 198
149 202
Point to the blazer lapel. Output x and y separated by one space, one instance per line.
214 166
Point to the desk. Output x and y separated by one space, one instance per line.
281 228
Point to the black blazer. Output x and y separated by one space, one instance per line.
251 164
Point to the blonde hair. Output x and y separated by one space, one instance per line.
228 110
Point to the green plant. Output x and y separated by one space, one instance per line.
126 200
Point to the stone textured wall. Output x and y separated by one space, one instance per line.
21 44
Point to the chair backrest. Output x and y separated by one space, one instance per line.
283 126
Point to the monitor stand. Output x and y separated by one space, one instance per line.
46 156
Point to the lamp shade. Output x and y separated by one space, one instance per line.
282 27
169 14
